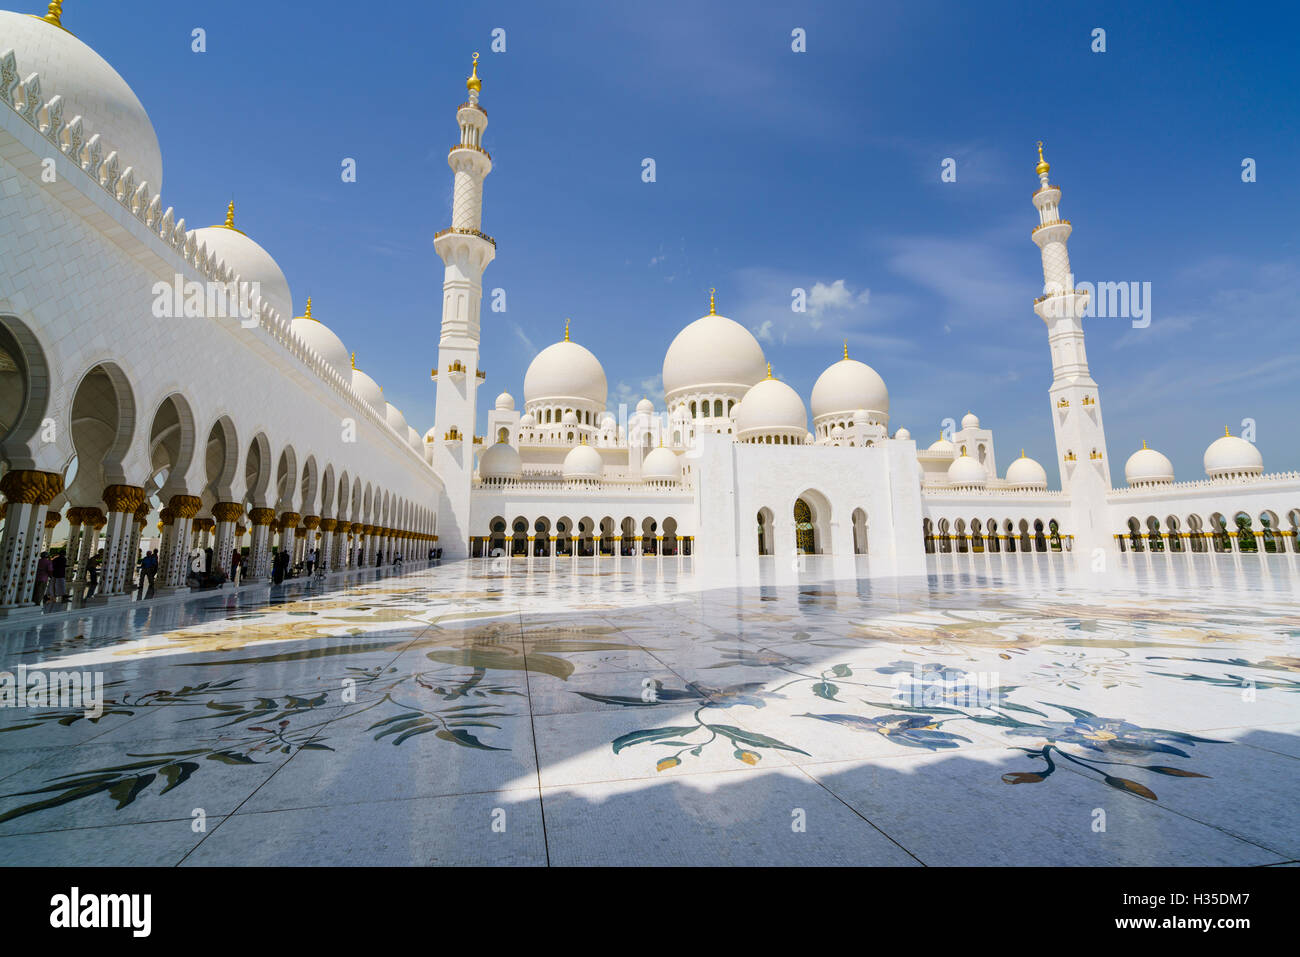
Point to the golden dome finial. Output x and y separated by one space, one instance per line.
474 84
1043 166
1144 444
566 330
230 215
354 362
846 348
712 310
769 370
307 314
1227 431
55 13
1022 453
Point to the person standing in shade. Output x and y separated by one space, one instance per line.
311 561
236 559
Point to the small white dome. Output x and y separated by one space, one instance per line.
526 421
608 422
570 418
563 372
583 463
681 414
838 431
499 462
1026 473
850 385
661 465
396 421
323 341
970 421
1148 467
943 445
505 402
713 354
771 407
369 391
645 407
251 263
809 438
1231 456
90 89
902 435
965 472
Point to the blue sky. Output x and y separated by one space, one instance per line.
775 169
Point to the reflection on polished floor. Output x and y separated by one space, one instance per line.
1008 710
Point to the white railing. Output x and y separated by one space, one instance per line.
25 98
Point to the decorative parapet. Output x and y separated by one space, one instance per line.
530 487
25 98
952 491
1208 485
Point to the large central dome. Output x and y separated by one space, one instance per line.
90 89
714 355
565 371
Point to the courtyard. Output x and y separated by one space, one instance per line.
1007 710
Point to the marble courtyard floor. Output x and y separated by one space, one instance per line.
1003 712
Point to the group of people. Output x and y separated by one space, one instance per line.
52 576
52 571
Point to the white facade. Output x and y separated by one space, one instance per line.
134 390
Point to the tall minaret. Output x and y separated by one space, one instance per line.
1076 406
465 252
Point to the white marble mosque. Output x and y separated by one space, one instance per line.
653 635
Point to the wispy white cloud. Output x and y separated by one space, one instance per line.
518 330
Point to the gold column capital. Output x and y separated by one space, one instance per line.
30 487
227 511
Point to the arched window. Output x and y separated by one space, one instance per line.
717 408
503 434
695 412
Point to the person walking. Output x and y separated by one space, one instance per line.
59 576
236 560
92 572
150 570
44 567
311 562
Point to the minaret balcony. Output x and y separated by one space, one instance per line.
1056 231
470 106
453 230
1061 294
453 436
469 146
1041 198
